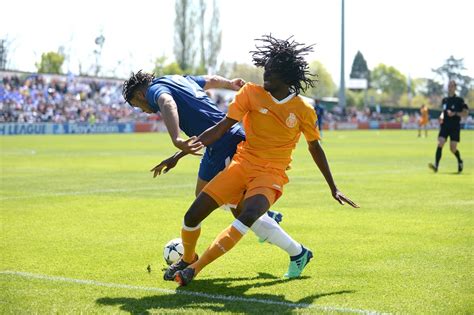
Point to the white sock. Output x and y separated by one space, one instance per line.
267 229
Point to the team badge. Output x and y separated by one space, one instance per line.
263 110
291 120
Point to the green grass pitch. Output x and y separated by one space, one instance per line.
82 218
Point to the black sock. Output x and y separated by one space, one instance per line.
438 155
458 156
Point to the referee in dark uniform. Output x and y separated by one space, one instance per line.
454 108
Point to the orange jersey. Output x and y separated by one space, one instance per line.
424 115
272 127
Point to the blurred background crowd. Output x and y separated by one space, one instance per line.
66 98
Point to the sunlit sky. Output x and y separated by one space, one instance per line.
414 36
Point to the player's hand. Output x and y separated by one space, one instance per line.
189 146
237 83
450 113
339 196
165 166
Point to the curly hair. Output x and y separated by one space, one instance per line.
287 60
135 82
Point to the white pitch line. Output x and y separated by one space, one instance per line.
189 293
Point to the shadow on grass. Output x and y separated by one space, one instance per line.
223 294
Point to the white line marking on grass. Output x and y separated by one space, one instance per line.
189 293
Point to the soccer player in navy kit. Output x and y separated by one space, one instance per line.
184 105
454 108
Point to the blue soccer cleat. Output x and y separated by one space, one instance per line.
177 266
277 216
298 263
183 277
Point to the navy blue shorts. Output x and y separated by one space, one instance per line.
218 156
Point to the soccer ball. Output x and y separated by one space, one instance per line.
173 251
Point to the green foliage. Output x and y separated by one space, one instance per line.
241 70
197 30
185 25
355 98
51 62
359 68
388 80
415 101
325 85
86 207
162 68
452 70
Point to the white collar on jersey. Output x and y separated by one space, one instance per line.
286 99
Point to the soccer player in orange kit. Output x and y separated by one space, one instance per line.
273 117
423 120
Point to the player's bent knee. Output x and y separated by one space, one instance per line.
250 215
199 210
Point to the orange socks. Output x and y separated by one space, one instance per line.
189 238
222 244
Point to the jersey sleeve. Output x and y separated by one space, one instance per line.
198 79
240 105
154 93
308 125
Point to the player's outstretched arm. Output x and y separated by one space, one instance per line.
207 138
167 164
218 82
319 158
214 133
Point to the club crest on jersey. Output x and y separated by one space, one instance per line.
291 120
263 110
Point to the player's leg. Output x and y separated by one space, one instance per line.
439 149
268 230
254 207
202 206
455 137
200 184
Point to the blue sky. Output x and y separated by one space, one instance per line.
412 35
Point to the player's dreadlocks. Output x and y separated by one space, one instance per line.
287 60
135 82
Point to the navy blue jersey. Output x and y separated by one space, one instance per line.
196 111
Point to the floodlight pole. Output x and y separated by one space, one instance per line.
342 85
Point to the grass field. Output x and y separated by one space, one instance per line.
81 218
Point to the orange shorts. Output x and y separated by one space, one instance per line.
241 180
422 122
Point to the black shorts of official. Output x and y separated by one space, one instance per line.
453 132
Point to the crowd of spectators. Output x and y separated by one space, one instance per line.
64 99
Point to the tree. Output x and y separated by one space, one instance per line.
185 24
51 62
359 68
389 80
241 70
451 70
325 85
3 54
214 38
165 69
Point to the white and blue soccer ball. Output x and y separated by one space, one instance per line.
173 251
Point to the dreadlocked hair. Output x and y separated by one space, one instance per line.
136 81
287 60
